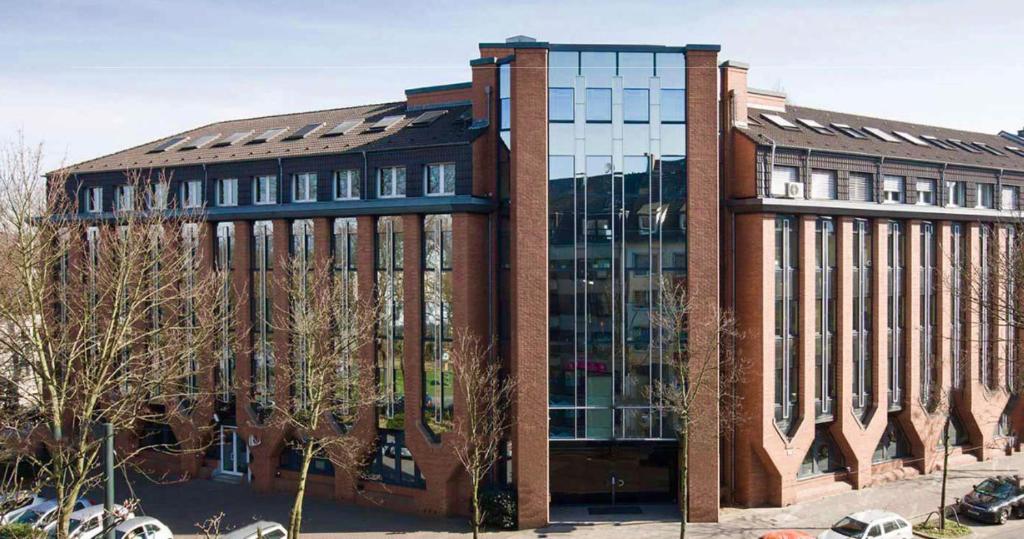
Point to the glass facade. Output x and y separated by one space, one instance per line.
1009 302
928 311
894 325
863 281
617 191
224 261
346 277
825 291
438 381
984 311
391 328
787 321
262 314
302 265
956 346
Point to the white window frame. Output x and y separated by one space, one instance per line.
124 197
93 199
951 189
777 187
925 186
888 181
309 179
441 168
232 199
869 187
158 195
1014 194
266 185
393 172
350 177
191 194
979 189
823 185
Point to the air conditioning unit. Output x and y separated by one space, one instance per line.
794 190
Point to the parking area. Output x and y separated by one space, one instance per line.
182 505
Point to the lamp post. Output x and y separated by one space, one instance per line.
108 475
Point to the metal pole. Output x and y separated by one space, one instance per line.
108 472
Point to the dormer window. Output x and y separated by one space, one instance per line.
892 189
93 199
391 182
124 198
264 190
191 194
157 196
985 195
440 179
304 187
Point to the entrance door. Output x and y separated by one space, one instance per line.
234 454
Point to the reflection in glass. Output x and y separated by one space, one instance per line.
346 236
598 68
636 69
560 105
390 329
599 104
438 388
636 105
263 329
673 106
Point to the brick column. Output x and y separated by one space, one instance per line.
241 283
805 295
880 313
703 271
412 360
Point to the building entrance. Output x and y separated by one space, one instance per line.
606 473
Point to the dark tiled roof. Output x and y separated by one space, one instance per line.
452 127
805 137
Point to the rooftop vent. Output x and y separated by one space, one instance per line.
520 39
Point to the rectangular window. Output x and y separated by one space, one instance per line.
861 188
1008 197
191 194
958 243
157 196
391 328
124 198
346 184
825 318
636 105
956 194
599 104
227 192
93 199
787 317
782 176
561 107
561 167
823 184
264 190
983 307
440 179
928 311
304 187
391 182
892 189
896 264
262 315
438 382
862 310
673 106
225 370
985 195
926 192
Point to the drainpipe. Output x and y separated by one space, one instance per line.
280 176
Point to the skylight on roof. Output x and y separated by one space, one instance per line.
817 127
233 138
428 118
344 127
849 131
780 121
269 134
200 142
937 142
386 122
963 145
168 144
910 138
883 135
988 148
304 131
1016 150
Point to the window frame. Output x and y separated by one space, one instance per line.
256 191
959 188
560 91
120 192
590 106
93 199
663 108
191 192
442 168
979 189
646 109
901 192
351 175
310 180
1014 195
931 191
381 171
219 194
831 177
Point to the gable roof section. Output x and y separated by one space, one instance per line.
839 142
449 128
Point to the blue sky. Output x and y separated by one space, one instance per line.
91 77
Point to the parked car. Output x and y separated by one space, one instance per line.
994 500
13 504
142 528
874 524
88 523
44 513
787 534
264 529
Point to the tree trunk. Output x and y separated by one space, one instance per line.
295 522
684 493
945 473
476 508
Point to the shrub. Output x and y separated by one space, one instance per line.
500 508
19 531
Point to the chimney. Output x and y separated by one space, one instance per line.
734 93
520 39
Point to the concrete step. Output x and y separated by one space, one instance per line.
221 477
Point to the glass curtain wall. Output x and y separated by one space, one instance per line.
438 381
391 328
787 321
302 266
225 246
1009 303
863 281
825 289
617 191
894 326
984 311
928 311
346 277
956 346
262 315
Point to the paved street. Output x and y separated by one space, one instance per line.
181 506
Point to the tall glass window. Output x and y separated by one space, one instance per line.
190 318
505 103
787 317
391 328
302 265
617 227
226 334
1009 301
894 326
438 383
863 281
984 310
346 278
956 346
825 288
262 315
928 311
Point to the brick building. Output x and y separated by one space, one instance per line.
600 169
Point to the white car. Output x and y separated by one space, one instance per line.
88 523
870 524
263 529
13 504
142 528
43 514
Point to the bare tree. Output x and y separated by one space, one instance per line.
106 319
700 365
331 388
480 430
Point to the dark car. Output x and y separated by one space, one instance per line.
994 500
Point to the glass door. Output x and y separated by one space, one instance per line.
234 455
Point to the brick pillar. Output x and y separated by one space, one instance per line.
412 360
805 295
912 339
703 271
485 148
241 282
529 295
880 313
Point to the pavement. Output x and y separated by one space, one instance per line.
182 505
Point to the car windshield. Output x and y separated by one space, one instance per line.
850 527
74 525
999 489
